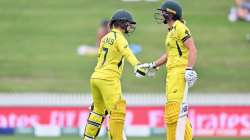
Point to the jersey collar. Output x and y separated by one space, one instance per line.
176 22
174 25
117 31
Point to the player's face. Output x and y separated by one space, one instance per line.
161 16
131 27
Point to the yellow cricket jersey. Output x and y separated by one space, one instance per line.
111 54
176 51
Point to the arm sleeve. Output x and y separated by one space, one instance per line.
183 33
122 45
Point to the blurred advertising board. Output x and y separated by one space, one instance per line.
207 121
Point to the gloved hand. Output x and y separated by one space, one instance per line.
140 72
150 68
147 65
190 77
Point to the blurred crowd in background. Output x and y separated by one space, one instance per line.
240 11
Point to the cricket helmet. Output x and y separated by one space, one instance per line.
123 15
125 20
168 7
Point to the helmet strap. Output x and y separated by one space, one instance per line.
125 27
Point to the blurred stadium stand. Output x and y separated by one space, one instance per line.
133 99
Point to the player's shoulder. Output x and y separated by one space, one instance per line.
116 38
115 35
182 30
180 26
119 37
110 36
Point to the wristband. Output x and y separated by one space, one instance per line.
189 68
154 65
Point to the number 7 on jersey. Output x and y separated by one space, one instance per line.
105 51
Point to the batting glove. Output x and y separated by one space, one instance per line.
150 68
151 65
140 72
190 76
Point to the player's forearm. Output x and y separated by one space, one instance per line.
130 57
160 61
132 60
191 52
191 57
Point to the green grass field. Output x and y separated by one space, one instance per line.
129 138
39 38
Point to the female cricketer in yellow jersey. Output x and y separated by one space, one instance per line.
180 57
105 81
